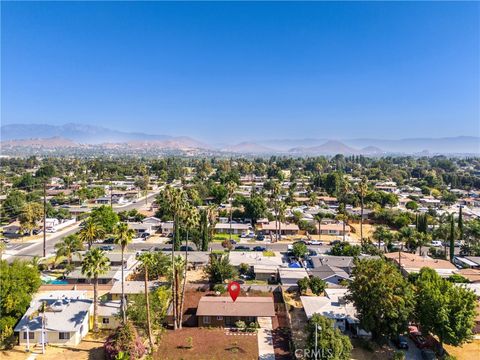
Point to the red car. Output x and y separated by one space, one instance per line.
417 337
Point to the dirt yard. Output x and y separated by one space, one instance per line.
175 345
468 351
298 318
90 348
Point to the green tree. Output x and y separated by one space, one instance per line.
300 250
443 309
105 217
303 285
331 343
19 280
123 237
13 204
384 299
94 264
451 238
317 285
90 232
219 269
255 207
159 300
31 214
67 247
345 249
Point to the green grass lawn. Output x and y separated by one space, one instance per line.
268 253
256 282
222 237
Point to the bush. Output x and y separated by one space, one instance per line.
398 355
303 285
126 340
220 288
241 325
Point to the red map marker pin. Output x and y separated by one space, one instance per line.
234 290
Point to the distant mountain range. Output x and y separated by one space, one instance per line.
76 135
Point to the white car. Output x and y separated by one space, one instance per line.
436 243
315 242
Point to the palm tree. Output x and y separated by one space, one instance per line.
68 246
318 218
231 187
123 237
192 219
276 190
362 192
282 208
176 199
343 218
148 260
90 231
94 264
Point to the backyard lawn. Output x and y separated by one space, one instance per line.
196 343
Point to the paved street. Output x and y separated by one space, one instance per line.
33 248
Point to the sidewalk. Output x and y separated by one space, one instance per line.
265 339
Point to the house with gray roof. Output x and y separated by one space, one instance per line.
57 318
330 274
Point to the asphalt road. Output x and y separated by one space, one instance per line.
30 249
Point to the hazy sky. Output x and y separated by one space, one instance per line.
234 71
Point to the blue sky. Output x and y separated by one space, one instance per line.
236 71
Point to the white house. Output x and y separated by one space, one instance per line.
62 316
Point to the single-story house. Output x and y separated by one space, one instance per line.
334 306
330 274
266 272
289 277
283 228
112 275
156 223
65 320
224 312
236 228
166 227
334 229
412 263
109 314
115 259
131 288
345 263
142 227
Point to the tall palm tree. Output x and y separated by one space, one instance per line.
319 217
276 190
123 237
231 187
176 199
90 231
362 189
343 219
282 209
67 247
94 264
148 260
192 219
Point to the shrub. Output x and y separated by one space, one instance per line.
220 288
241 325
398 355
125 339
303 285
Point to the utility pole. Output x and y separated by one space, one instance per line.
44 219
111 195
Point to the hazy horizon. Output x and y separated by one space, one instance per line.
234 72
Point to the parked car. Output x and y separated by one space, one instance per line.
242 248
401 342
312 252
233 242
314 242
110 240
259 248
243 234
145 235
247 277
417 337
436 243
260 237
184 248
107 247
5 240
140 252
